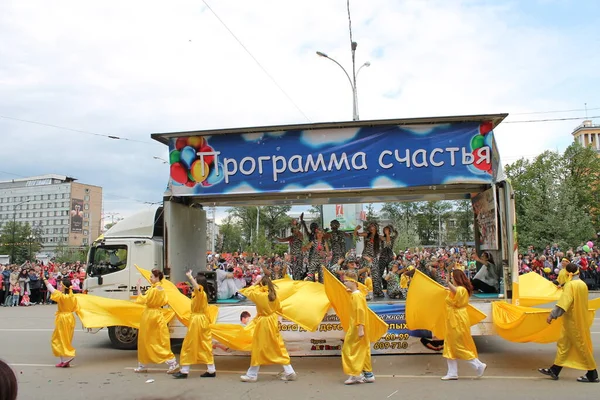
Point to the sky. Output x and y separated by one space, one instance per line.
129 69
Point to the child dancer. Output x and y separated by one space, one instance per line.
64 322
458 343
197 345
356 352
154 342
267 343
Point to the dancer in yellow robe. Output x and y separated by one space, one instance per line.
64 323
267 343
458 342
356 352
197 346
574 347
154 342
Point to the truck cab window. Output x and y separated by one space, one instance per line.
107 259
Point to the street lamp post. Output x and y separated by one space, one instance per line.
14 229
30 240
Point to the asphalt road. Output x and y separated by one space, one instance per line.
100 372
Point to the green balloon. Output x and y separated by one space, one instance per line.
477 142
190 177
174 157
586 248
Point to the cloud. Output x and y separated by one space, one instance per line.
322 137
466 179
383 182
148 66
319 186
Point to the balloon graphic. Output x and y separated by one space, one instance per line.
199 171
179 173
480 161
188 156
213 178
489 139
207 149
485 127
180 143
586 248
197 142
174 157
477 142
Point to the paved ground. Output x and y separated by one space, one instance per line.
100 372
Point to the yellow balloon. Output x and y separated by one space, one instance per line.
547 270
198 172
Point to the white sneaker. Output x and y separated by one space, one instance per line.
246 378
140 370
449 378
369 379
288 377
481 370
173 369
354 380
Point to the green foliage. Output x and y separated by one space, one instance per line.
371 214
66 254
556 197
403 217
430 217
20 241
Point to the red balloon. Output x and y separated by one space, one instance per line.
207 149
179 173
485 128
484 165
180 143
190 184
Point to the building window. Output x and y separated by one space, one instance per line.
64 196
86 206
87 198
86 215
85 241
86 223
85 232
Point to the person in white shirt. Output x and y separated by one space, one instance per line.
226 287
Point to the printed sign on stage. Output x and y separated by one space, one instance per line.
377 157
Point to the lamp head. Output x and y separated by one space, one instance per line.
321 54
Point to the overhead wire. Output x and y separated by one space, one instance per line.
549 120
256 61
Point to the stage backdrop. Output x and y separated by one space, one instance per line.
380 157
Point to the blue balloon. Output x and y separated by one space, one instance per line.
188 156
213 178
489 138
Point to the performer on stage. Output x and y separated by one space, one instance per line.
154 342
385 257
197 345
296 257
356 351
337 244
370 253
574 347
64 322
267 343
318 249
458 343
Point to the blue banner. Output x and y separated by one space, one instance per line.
380 157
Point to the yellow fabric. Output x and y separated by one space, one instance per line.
154 341
100 312
340 300
267 343
404 281
525 324
426 306
302 302
197 345
369 283
458 342
356 351
64 324
574 347
534 289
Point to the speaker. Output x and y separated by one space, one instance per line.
211 289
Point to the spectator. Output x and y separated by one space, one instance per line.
8 382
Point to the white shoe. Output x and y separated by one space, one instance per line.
354 380
449 378
140 370
287 377
173 369
370 379
481 370
246 378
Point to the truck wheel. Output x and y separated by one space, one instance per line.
123 337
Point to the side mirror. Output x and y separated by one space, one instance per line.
100 280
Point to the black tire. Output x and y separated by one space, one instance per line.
123 337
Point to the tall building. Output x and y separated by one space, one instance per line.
588 134
59 209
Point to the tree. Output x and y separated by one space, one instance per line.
463 229
19 240
65 254
429 219
230 234
403 217
371 214
274 219
109 225
317 210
